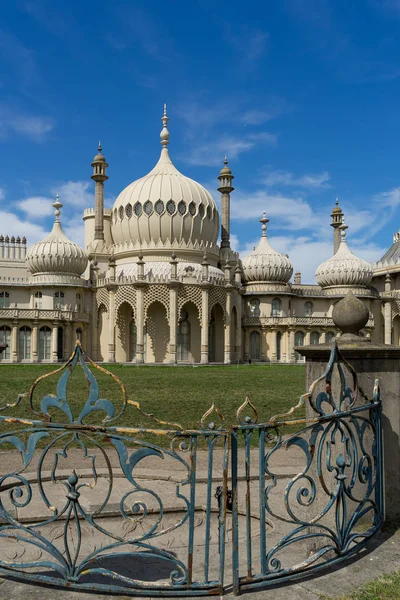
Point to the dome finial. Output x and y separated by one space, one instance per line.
99 148
264 220
225 160
164 135
343 228
337 201
57 205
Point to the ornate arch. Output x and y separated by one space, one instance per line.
217 295
156 293
102 298
190 293
126 293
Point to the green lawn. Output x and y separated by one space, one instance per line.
386 587
177 394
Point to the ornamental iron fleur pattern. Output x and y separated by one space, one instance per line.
134 514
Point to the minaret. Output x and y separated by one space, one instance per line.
337 220
225 178
99 177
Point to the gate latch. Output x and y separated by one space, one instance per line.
219 495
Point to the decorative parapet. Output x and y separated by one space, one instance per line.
45 280
150 278
43 314
296 321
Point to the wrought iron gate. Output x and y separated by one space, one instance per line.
58 522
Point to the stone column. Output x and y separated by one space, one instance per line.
69 343
111 323
246 343
94 327
227 333
84 335
173 321
291 355
388 322
274 353
54 342
35 348
370 362
238 349
14 342
307 339
263 344
204 322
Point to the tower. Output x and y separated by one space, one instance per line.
225 177
99 177
337 221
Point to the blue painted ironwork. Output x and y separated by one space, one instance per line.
67 563
286 526
330 508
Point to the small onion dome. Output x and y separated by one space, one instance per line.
344 268
337 208
99 156
56 253
225 169
265 263
164 206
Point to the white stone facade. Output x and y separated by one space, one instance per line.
153 286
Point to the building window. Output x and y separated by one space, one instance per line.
255 307
4 300
276 307
38 300
255 346
78 334
44 343
329 336
278 345
24 347
308 309
298 341
314 338
183 338
79 302
5 338
59 300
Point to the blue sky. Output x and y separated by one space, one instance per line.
302 95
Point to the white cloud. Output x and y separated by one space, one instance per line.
390 198
2 194
11 224
75 193
33 127
287 179
212 153
37 207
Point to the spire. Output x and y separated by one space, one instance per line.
57 205
99 148
264 220
164 135
225 188
336 223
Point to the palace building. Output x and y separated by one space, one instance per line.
153 286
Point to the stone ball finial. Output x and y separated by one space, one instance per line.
350 315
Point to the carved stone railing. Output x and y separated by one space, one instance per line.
295 321
43 314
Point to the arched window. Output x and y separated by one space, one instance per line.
183 338
276 307
255 346
329 336
5 338
298 341
308 309
314 338
24 346
78 334
279 346
44 343
38 300
4 300
79 302
254 307
59 300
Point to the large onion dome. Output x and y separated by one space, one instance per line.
344 268
265 264
56 254
164 208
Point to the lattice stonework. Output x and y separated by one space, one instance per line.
395 307
217 295
190 293
126 293
102 297
156 293
234 301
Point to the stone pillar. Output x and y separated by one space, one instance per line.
95 328
84 335
388 322
263 344
14 342
274 354
69 343
54 342
238 349
370 362
291 355
111 323
173 322
35 345
204 323
227 332
246 343
307 339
